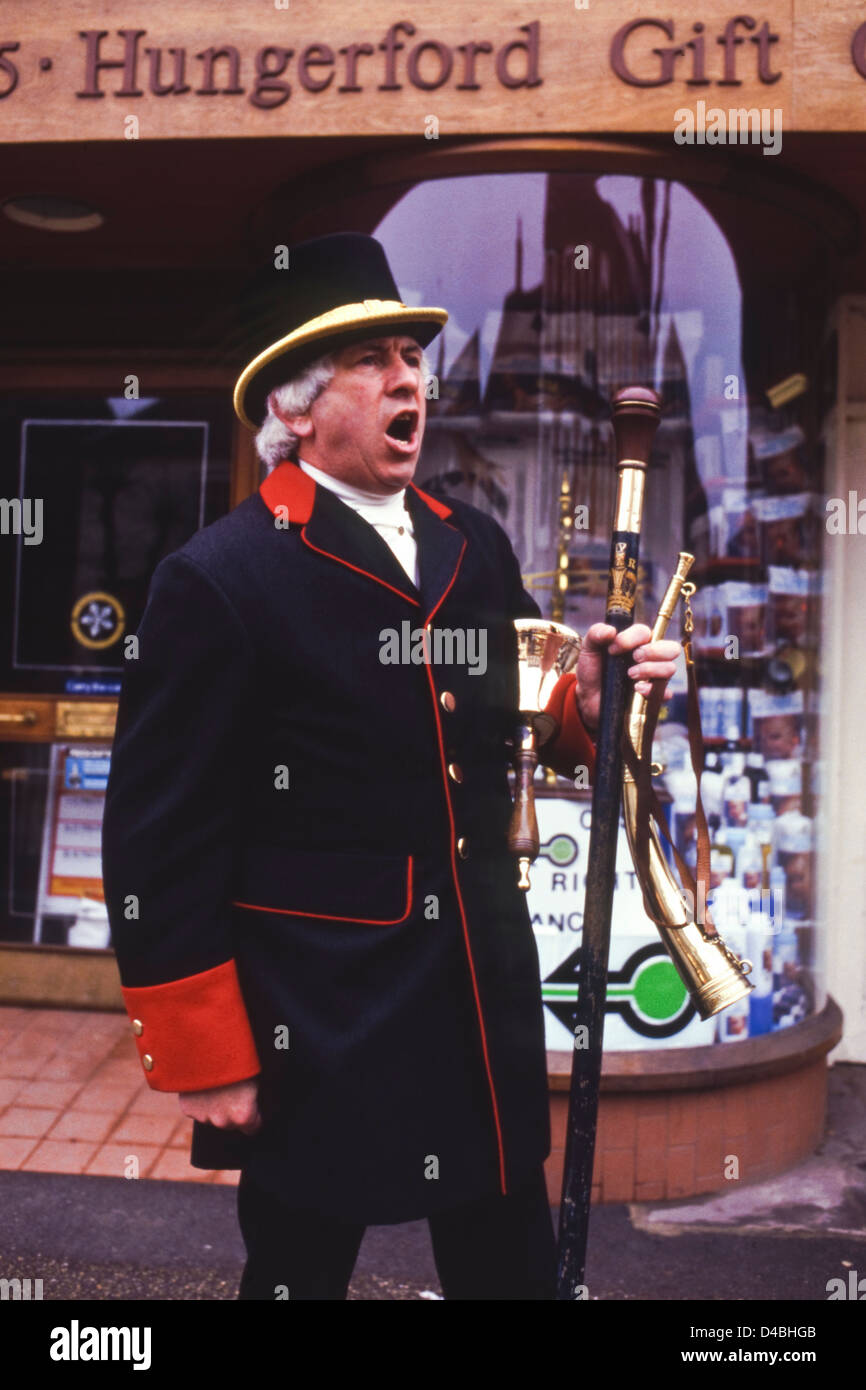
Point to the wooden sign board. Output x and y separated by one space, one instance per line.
103 70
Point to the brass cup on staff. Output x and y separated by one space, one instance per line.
545 652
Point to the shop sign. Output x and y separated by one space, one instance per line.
69 71
646 1003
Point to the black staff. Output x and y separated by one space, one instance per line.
635 417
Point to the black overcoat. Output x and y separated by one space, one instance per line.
304 851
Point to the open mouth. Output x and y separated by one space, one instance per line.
403 427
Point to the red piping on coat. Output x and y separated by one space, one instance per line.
459 894
333 917
366 573
432 502
289 486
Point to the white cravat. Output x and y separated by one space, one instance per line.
388 514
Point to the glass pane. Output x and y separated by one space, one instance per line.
98 489
562 288
106 488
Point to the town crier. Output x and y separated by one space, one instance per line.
320 937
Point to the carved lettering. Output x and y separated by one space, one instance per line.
529 46
177 85
209 58
112 66
94 63
445 59
315 55
631 63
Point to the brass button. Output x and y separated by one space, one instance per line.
455 772
137 1027
147 1062
448 701
463 847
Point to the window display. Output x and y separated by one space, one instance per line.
590 284
120 483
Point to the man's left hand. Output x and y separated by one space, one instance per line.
652 661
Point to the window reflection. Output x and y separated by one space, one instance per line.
563 288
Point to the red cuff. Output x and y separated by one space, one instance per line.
572 747
193 1034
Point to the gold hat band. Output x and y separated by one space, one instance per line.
368 312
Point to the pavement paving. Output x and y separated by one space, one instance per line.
74 1099
823 1196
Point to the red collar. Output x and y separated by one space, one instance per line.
288 486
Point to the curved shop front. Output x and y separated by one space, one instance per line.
569 268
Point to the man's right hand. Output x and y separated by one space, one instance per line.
225 1107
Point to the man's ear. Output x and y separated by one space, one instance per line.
301 425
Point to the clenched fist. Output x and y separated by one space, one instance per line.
225 1107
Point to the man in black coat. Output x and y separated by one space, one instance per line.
321 942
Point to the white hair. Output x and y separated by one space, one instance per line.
275 441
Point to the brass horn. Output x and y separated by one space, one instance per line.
712 973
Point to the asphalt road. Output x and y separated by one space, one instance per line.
91 1238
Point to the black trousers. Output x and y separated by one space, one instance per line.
495 1248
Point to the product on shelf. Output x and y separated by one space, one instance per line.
786 784
790 528
793 848
737 789
745 608
759 778
792 594
779 454
777 723
759 945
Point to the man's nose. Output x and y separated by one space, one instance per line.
402 376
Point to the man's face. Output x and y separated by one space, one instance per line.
367 425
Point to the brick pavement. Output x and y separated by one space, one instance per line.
73 1100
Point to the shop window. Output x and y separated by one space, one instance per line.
107 487
562 288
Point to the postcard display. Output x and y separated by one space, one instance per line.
757 613
70 877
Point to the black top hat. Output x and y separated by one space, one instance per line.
335 290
